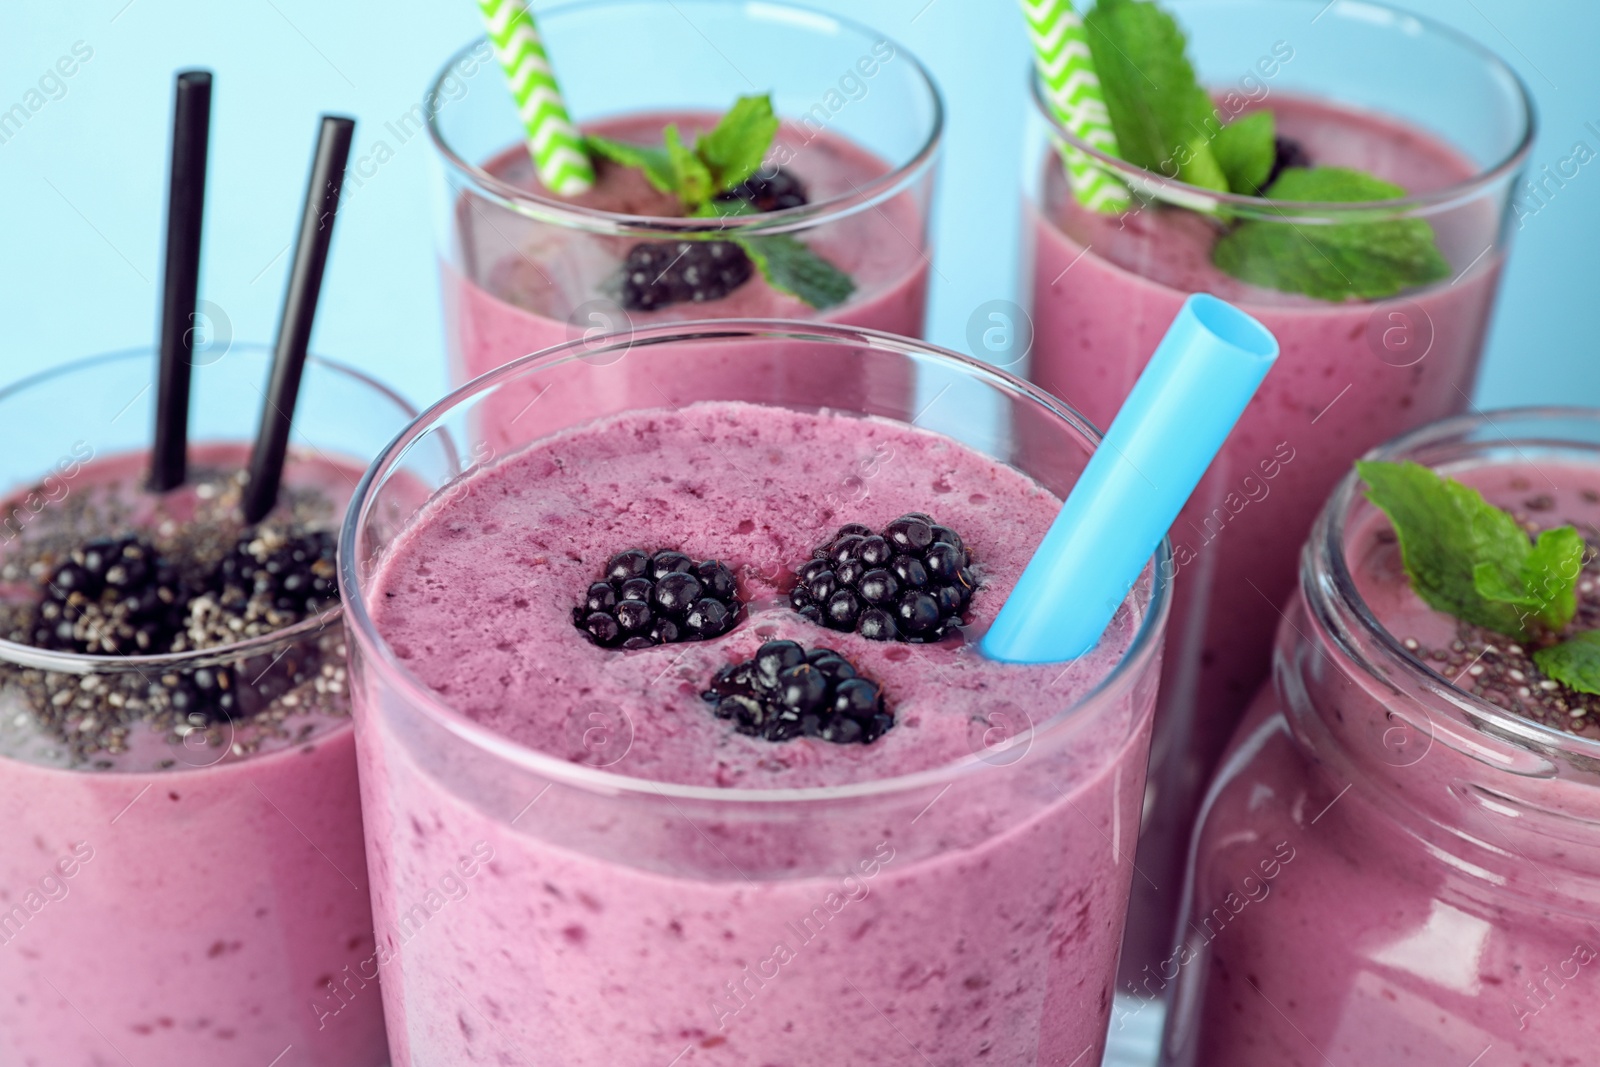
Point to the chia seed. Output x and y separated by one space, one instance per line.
1506 675
94 721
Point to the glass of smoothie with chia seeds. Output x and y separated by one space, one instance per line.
183 881
1400 861
676 743
1380 308
842 193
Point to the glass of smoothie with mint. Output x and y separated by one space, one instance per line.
1343 172
738 160
184 881
1400 861
676 742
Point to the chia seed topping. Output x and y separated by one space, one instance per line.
155 717
1500 670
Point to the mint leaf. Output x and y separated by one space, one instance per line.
1368 260
734 149
722 157
1245 151
1468 558
789 266
691 178
1541 583
1575 663
654 162
1163 119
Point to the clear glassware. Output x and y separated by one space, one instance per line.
1359 84
1045 813
523 270
196 893
1389 867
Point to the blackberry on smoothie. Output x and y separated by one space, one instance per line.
1363 225
1420 781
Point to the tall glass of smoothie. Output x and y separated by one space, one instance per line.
1400 860
676 744
848 176
1380 312
183 880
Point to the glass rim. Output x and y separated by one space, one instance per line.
1329 586
27 656
1183 194
553 210
1119 680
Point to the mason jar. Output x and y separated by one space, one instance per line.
1399 862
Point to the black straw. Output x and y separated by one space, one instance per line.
299 309
186 196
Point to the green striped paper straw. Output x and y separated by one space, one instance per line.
553 142
1061 52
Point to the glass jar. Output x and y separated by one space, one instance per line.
1389 868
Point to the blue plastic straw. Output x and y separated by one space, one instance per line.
1183 406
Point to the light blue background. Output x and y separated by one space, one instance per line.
83 178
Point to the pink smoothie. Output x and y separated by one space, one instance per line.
972 919
181 900
1106 288
1437 894
513 285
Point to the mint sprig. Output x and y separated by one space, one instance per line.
1370 260
1470 559
719 161
1165 122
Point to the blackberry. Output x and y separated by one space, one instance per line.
114 596
293 574
774 192
644 599
910 582
1288 153
788 691
658 273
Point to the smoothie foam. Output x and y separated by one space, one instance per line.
982 927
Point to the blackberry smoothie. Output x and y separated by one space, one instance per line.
532 296
692 875
811 203
1353 373
524 285
1399 862
187 874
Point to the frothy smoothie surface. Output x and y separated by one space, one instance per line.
477 597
